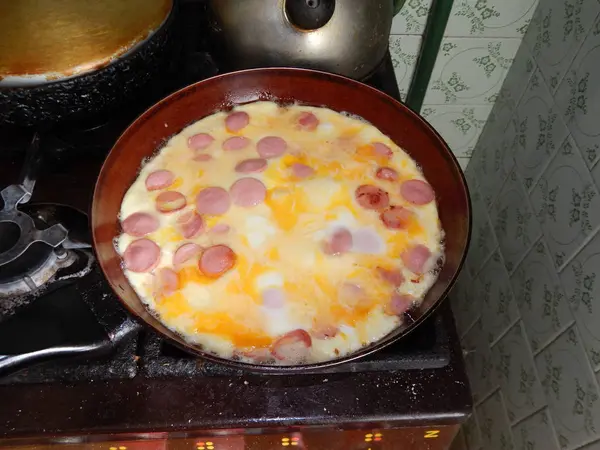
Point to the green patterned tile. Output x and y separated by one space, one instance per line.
404 50
470 71
490 18
412 17
557 30
460 126
570 389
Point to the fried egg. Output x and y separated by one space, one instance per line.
335 235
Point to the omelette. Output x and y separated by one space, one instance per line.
280 234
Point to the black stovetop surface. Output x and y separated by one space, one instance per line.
146 384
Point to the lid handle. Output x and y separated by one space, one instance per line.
309 14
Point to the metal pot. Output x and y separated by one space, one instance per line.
67 58
347 37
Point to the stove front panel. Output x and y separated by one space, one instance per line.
422 438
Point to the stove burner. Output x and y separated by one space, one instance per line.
34 240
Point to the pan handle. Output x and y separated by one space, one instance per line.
13 363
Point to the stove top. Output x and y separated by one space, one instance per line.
144 383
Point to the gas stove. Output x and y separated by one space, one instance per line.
126 388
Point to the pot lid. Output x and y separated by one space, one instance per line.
52 39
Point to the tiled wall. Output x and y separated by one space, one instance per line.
480 42
528 302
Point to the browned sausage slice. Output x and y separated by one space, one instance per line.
140 224
293 346
217 260
372 197
396 217
141 255
307 121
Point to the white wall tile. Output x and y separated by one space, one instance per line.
517 375
581 279
470 71
571 390
535 433
490 18
514 222
540 297
578 97
493 423
557 30
567 203
404 50
540 130
412 17
460 126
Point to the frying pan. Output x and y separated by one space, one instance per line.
285 86
70 59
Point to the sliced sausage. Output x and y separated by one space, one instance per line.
259 356
350 294
324 331
213 200
235 143
293 346
417 192
271 147
186 252
141 255
248 192
166 282
396 217
399 304
191 224
382 150
302 170
386 173
159 179
203 157
253 165
307 121
392 276
273 298
170 201
367 241
217 260
237 120
200 141
340 242
416 258
220 228
372 197
140 224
